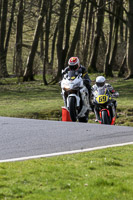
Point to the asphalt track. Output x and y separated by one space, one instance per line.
27 138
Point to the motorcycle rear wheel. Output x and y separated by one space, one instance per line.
72 109
84 119
105 117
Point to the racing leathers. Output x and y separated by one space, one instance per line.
85 76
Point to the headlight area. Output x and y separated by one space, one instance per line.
71 86
66 89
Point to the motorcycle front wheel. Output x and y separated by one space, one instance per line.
105 117
72 109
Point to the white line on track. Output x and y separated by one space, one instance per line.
65 152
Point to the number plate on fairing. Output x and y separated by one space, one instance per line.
102 99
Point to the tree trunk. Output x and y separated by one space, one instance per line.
121 23
53 46
47 32
0 13
108 52
28 74
68 26
18 49
99 26
3 51
111 51
61 37
116 30
77 31
122 67
84 32
130 41
86 48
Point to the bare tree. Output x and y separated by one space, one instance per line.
113 39
99 26
28 74
122 67
108 51
88 34
68 33
130 40
5 34
74 27
61 36
47 37
19 34
77 31
121 22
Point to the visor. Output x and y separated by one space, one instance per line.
100 84
73 67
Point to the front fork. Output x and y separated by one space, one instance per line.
77 100
98 113
66 99
113 110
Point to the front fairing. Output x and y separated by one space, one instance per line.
101 96
72 81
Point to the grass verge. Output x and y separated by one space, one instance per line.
97 175
34 100
30 100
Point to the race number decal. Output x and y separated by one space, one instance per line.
102 99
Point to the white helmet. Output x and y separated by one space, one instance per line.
100 81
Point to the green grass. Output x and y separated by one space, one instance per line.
125 101
99 175
34 100
30 100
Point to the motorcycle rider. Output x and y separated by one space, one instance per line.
101 83
74 64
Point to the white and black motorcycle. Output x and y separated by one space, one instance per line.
76 96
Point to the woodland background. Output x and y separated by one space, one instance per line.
39 36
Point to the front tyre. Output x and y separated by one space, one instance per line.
105 117
72 109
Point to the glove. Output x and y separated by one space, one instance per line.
116 94
63 72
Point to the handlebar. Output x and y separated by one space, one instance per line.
115 95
